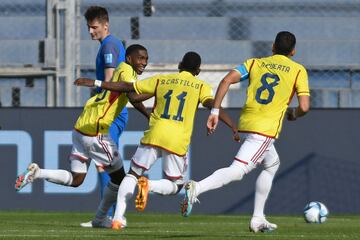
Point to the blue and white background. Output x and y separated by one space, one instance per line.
318 153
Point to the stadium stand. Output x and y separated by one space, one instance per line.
223 32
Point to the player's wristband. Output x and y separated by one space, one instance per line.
97 83
215 111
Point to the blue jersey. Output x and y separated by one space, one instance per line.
111 53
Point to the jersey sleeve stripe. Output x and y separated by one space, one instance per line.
280 122
252 64
303 93
294 88
208 97
136 88
200 93
205 98
155 94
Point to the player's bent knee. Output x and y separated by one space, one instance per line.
273 167
242 169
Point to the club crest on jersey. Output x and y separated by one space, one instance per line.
108 58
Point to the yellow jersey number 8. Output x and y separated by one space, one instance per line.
266 86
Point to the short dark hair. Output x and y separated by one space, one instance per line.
284 43
133 48
96 13
191 61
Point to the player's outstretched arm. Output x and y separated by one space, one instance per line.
85 82
304 107
112 86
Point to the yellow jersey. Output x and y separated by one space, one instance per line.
177 97
272 83
102 109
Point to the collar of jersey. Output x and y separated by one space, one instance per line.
186 73
106 40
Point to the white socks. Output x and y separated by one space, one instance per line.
57 176
108 199
220 178
126 190
262 189
163 187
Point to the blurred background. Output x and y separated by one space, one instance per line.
44 46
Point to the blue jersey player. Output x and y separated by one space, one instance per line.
111 53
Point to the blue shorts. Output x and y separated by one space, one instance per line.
118 126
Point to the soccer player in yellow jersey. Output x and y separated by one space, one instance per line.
272 83
91 139
170 128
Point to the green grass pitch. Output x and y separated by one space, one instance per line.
60 225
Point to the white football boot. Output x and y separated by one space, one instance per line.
28 176
98 223
260 224
189 199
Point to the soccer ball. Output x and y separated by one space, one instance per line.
315 212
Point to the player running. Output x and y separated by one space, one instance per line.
171 123
272 83
91 139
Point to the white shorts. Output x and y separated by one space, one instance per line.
101 149
256 149
174 166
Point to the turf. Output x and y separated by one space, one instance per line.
56 225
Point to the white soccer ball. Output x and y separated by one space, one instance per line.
315 212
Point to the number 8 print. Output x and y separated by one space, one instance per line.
267 87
